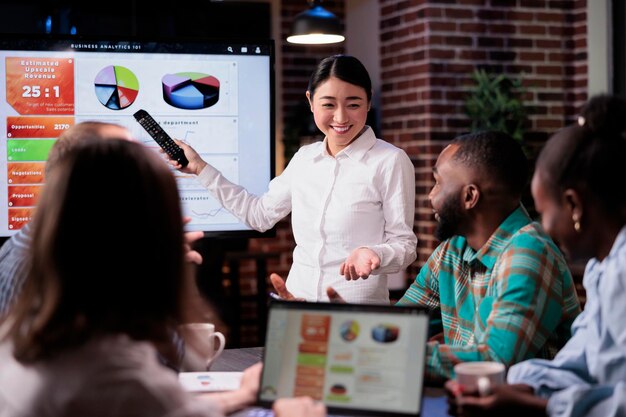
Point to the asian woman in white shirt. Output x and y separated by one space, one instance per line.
351 196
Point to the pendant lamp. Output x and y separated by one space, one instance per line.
316 26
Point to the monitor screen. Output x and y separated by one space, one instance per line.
216 95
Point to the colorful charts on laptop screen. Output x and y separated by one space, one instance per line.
190 90
116 87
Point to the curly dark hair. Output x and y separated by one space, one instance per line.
497 155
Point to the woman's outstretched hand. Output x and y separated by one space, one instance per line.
360 264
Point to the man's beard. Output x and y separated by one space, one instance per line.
450 217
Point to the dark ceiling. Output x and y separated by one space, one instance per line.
232 19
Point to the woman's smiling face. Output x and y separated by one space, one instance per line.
340 111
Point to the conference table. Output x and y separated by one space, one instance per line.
233 360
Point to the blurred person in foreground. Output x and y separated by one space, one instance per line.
584 209
13 252
80 339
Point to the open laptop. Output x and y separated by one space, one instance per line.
360 360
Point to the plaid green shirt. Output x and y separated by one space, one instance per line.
512 300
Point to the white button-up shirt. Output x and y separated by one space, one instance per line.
362 197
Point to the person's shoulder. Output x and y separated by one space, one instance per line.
532 233
532 238
389 155
133 395
310 149
157 391
306 153
21 387
130 378
382 145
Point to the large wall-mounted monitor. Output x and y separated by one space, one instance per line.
217 95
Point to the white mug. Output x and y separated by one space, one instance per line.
200 348
480 376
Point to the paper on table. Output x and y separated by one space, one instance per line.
210 381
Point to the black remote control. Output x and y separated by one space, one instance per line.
161 137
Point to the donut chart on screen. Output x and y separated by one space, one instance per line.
190 90
349 330
116 87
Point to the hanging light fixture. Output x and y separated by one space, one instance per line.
316 26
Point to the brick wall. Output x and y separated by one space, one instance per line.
428 52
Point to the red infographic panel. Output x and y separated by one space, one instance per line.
24 196
40 85
37 127
25 172
315 328
18 217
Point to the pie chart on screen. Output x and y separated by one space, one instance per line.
116 87
349 330
190 90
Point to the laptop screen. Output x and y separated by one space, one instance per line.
357 359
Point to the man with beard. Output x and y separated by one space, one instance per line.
499 286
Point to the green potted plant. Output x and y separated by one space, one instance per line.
494 103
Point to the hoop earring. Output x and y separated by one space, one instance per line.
576 224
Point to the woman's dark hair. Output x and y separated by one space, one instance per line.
590 156
344 67
107 255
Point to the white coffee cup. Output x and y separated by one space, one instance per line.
200 347
480 376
